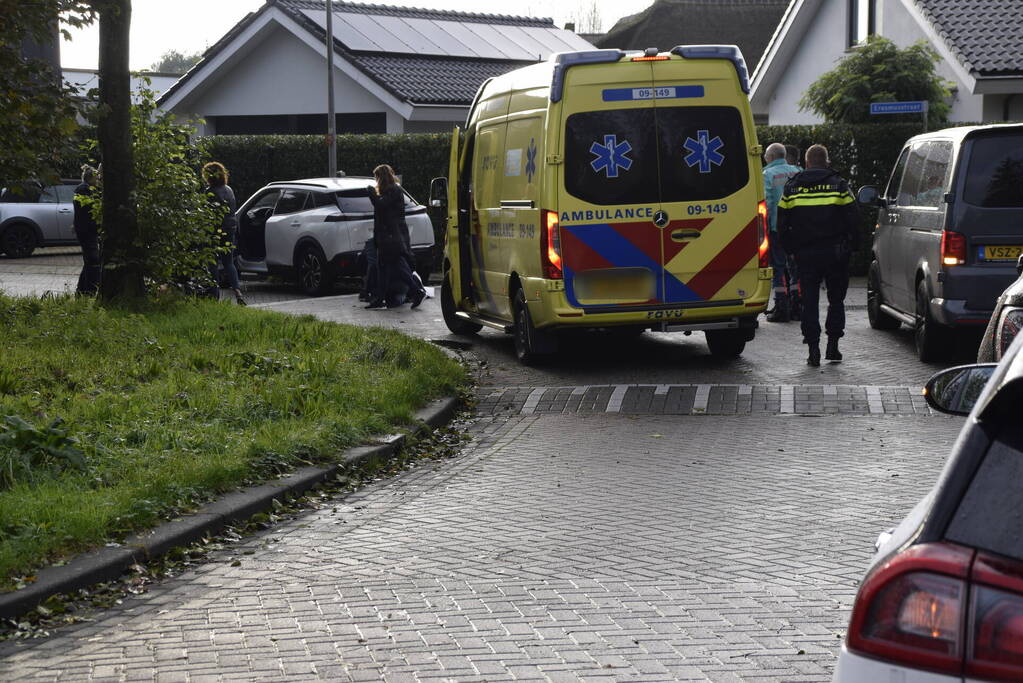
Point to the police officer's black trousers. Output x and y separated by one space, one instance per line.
92 268
830 265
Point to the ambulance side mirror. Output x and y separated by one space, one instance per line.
439 193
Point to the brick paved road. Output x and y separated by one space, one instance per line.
558 547
598 539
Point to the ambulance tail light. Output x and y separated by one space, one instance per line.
764 251
550 245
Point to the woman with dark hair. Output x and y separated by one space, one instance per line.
390 234
216 176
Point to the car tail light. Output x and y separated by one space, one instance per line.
933 606
911 609
1008 328
953 248
655 58
764 251
550 245
996 620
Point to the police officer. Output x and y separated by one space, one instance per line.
87 232
777 172
818 225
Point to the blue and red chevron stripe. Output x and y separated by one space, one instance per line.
644 245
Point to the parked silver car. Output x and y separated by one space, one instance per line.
34 215
942 601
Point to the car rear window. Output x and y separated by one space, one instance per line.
663 154
990 515
355 201
995 175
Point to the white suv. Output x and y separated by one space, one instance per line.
315 231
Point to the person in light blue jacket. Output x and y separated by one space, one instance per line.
777 172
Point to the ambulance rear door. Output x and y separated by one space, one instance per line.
611 249
707 193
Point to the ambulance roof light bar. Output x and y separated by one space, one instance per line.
729 52
563 60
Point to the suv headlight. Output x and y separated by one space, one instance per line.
1009 324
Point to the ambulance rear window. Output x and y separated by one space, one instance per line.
663 154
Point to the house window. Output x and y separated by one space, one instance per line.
862 17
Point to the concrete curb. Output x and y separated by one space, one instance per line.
108 563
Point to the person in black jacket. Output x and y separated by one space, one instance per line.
87 233
390 235
818 225
221 194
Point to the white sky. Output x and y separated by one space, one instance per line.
193 25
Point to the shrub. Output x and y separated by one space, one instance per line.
178 223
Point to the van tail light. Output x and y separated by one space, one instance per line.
935 607
654 58
764 251
550 245
953 248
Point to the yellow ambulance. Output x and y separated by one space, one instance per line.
608 189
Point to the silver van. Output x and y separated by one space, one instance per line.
949 233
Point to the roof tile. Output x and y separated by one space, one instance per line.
985 35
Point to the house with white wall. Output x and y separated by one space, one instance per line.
979 43
86 80
396 69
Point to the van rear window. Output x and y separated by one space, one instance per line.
662 154
995 175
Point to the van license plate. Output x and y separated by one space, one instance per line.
1002 253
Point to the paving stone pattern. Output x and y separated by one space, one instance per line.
557 547
703 399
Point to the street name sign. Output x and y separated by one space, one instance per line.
919 107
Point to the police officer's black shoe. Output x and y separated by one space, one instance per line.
832 352
814 359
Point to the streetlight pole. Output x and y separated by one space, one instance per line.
331 117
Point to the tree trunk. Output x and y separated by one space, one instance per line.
122 271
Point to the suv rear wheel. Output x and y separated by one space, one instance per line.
315 275
932 338
18 240
879 320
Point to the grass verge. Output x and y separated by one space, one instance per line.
113 420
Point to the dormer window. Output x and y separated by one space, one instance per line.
862 19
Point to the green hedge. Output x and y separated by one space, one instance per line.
255 160
863 153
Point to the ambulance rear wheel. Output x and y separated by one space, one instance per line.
531 345
457 325
726 343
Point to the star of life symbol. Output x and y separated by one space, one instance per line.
531 160
611 156
704 151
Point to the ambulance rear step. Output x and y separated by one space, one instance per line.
486 322
732 324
